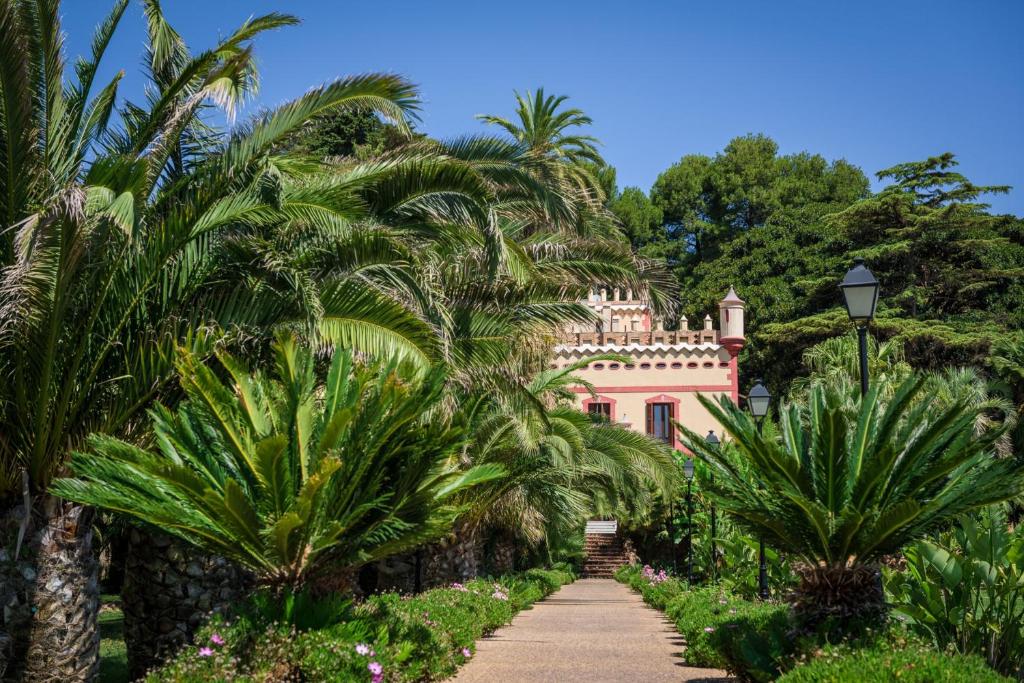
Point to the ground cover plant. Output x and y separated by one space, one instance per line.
388 637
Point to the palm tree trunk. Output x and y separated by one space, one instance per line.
170 590
840 599
454 558
64 640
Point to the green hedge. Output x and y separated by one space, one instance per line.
721 630
752 640
426 637
883 664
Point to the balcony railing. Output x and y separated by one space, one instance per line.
643 338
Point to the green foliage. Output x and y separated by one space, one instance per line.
966 592
293 474
113 652
851 480
721 629
359 134
727 632
413 638
886 664
115 262
639 216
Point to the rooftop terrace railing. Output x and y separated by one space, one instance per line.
667 337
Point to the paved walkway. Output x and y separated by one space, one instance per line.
593 631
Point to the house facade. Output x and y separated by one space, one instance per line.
666 369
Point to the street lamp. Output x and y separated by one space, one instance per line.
758 400
714 444
688 471
860 294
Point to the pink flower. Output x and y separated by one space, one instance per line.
377 678
460 587
709 629
375 668
362 649
466 653
205 652
216 639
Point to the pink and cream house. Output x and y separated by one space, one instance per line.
665 370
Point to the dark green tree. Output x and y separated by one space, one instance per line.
639 217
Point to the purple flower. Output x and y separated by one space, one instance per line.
377 678
216 639
466 653
205 652
375 668
362 649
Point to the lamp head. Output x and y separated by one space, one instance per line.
688 468
758 400
860 293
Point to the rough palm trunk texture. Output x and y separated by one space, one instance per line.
454 558
64 639
170 589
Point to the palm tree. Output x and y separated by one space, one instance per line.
105 269
839 491
564 465
557 153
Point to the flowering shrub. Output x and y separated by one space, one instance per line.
654 578
387 638
656 591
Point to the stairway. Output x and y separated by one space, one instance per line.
602 549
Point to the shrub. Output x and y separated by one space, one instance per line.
721 629
727 632
410 638
966 590
885 664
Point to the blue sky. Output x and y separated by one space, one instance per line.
876 83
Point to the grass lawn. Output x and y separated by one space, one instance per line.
113 654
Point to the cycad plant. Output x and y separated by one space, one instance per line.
296 476
840 490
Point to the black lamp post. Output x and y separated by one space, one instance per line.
860 294
758 400
688 471
714 443
672 532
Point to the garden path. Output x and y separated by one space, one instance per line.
593 630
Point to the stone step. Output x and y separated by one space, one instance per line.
598 526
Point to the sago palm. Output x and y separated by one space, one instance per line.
840 490
293 476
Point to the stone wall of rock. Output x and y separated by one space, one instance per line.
171 589
17 584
